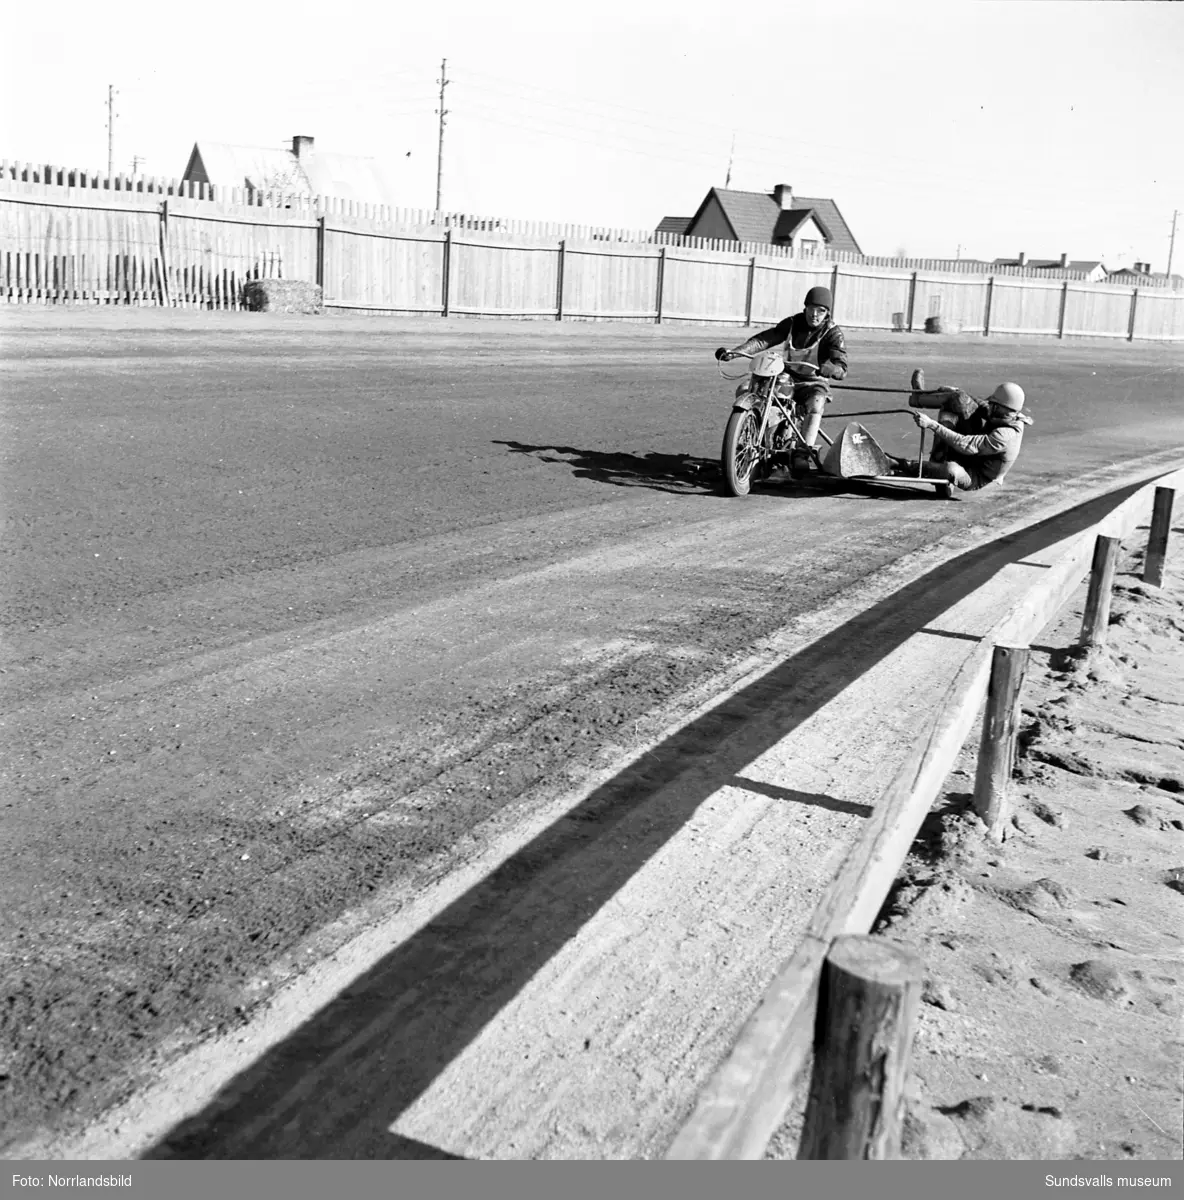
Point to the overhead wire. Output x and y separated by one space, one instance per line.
813 156
672 152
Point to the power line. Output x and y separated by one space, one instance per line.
802 152
645 118
697 158
816 157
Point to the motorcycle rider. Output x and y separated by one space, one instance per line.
975 441
813 346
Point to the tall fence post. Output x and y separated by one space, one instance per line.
446 273
1097 602
987 309
834 286
166 290
321 254
1130 329
1064 308
661 285
868 999
996 755
1157 540
912 302
560 266
750 291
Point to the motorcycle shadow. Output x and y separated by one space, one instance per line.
855 489
678 473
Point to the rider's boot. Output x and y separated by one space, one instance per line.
803 456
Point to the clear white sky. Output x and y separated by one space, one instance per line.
989 127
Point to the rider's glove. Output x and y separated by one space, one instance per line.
828 370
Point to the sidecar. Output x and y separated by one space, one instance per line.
856 457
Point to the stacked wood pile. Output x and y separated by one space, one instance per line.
283 295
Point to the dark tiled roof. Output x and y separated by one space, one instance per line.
789 222
673 225
754 216
841 236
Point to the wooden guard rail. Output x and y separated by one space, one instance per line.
746 1100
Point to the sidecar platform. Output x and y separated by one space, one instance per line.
856 457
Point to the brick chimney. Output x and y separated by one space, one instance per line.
783 195
302 147
1023 258
1064 259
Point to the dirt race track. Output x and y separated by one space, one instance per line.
317 626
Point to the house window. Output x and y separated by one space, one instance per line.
808 247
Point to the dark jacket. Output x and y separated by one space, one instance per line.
832 345
983 445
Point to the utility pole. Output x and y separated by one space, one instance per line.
731 155
443 112
1172 243
110 130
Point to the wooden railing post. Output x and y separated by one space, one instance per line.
661 285
1064 307
912 302
996 755
834 287
1130 329
867 1010
1097 601
560 267
987 309
1157 539
751 290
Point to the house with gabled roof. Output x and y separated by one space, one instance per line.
1141 273
675 225
804 224
1092 268
301 171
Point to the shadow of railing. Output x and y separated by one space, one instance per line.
336 1086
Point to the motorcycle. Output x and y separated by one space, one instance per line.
764 429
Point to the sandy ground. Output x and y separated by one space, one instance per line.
1051 1023
320 632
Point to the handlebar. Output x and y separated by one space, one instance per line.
725 355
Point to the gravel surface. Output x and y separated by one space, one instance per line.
304 617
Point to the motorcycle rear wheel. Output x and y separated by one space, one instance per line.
741 454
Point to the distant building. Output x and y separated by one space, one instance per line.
300 171
1092 269
1141 272
677 225
806 224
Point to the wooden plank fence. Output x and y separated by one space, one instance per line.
68 236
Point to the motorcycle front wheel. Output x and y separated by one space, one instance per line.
741 454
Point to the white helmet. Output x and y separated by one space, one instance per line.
1008 395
